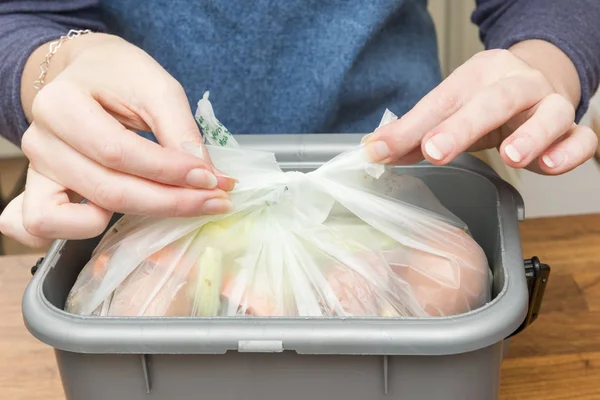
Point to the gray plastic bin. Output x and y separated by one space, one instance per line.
453 358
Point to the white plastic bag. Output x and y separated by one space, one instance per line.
349 239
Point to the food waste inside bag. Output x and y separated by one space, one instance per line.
349 239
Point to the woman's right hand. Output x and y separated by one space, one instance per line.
82 144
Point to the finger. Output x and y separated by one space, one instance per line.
80 121
226 182
410 158
49 213
169 114
119 110
553 118
392 141
488 110
116 191
11 225
497 136
578 147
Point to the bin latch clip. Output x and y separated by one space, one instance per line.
537 275
37 265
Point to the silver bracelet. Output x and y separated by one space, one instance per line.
54 46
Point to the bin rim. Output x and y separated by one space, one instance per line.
463 333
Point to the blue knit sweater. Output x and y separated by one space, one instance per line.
295 65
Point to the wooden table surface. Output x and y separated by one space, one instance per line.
558 357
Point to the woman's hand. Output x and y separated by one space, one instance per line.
81 143
521 101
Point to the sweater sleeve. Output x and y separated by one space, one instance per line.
24 26
573 26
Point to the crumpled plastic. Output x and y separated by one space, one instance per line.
349 239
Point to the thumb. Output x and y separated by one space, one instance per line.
11 225
172 122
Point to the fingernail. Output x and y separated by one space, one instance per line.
518 150
378 151
439 146
226 183
222 175
512 153
553 159
365 138
194 148
217 206
201 178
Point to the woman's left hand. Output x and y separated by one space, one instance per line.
495 100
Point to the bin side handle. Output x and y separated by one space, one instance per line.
537 275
